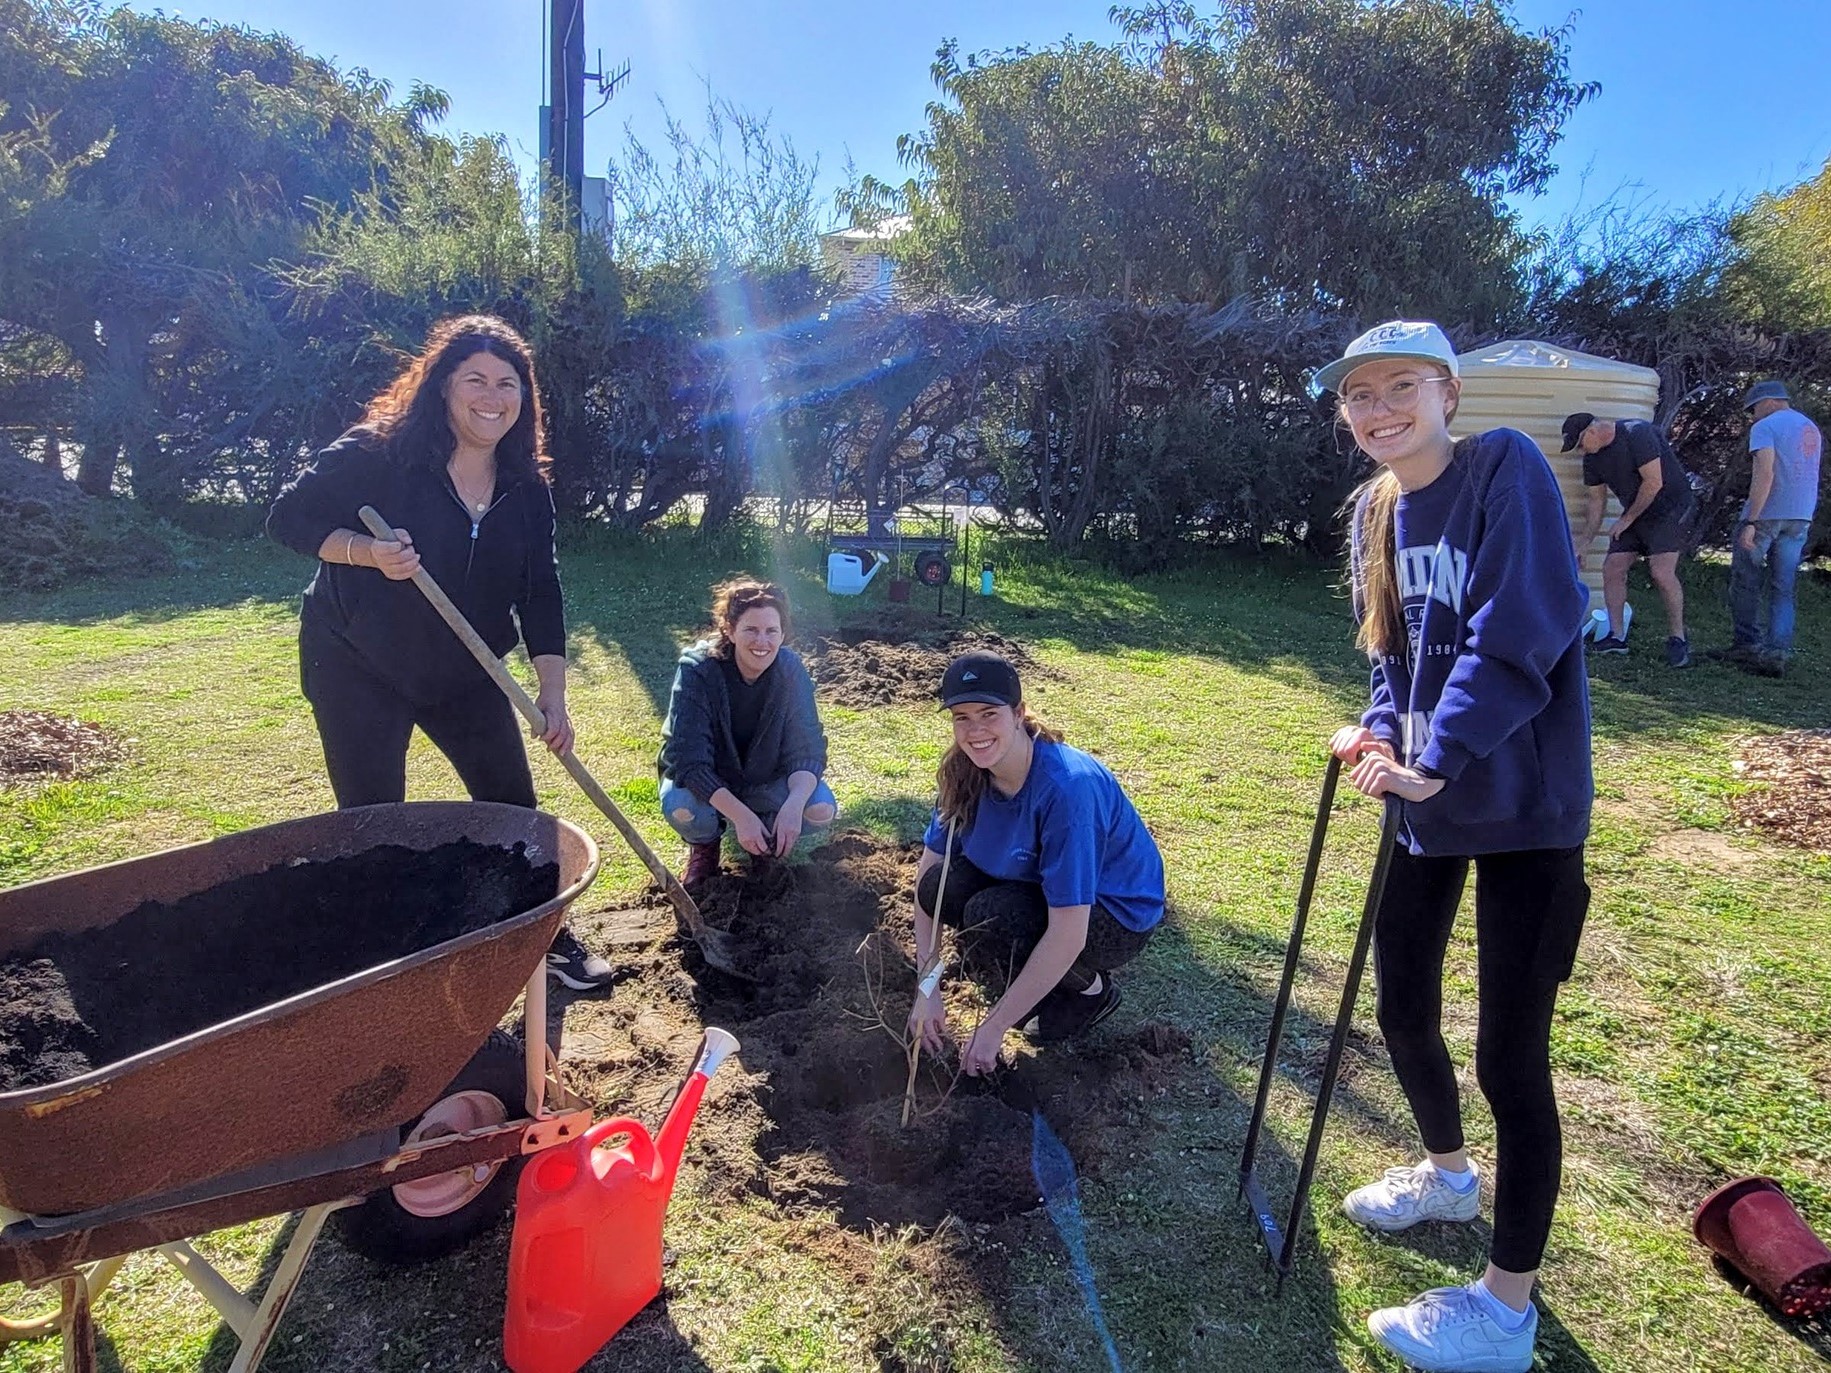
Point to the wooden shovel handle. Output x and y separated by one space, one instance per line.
537 721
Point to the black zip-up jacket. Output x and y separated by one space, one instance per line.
698 750
498 567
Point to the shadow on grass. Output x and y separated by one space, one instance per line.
229 574
350 1313
1814 1334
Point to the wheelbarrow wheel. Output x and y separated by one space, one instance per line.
431 1217
931 568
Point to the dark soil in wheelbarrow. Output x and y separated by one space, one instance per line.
74 1002
897 657
811 1116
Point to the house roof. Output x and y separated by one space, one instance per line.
894 226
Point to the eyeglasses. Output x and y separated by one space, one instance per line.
1402 394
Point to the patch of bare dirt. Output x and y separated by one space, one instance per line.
36 745
896 657
1701 848
811 1117
1795 805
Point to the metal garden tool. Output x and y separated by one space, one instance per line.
1281 1242
714 945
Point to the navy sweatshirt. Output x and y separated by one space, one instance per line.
499 568
1490 692
698 748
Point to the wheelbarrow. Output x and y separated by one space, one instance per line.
386 1096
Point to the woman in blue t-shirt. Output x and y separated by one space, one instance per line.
1470 606
1052 874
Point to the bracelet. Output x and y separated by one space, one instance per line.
349 547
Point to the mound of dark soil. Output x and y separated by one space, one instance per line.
73 1002
813 1118
51 532
897 658
37 745
1795 805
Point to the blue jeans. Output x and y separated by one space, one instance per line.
1768 572
703 824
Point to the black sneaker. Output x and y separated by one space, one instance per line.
1063 1014
1678 652
569 963
1609 644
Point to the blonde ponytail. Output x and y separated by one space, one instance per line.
1374 574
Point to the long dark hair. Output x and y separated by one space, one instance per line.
960 781
409 418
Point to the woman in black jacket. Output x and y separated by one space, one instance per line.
742 743
453 453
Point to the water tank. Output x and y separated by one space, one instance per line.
1520 384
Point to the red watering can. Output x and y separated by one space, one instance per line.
586 1254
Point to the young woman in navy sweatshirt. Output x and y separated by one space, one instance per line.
1469 606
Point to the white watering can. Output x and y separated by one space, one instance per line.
846 575
1596 627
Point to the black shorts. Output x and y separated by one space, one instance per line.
1656 531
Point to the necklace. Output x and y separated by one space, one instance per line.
480 506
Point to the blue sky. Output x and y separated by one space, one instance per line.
1702 99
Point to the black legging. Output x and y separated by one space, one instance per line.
1001 922
1529 910
365 725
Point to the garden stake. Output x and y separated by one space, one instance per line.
1281 1243
713 944
931 978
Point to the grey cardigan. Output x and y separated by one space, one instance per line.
698 750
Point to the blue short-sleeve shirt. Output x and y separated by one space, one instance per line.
1071 829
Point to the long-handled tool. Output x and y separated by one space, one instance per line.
1281 1243
714 944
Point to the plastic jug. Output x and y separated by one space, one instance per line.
1597 627
846 575
586 1252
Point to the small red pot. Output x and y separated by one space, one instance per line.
1752 1224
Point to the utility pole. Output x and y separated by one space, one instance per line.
562 134
565 132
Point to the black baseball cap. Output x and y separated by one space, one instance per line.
1574 425
983 678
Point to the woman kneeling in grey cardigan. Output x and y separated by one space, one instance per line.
742 743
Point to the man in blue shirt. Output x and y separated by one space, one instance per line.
1770 541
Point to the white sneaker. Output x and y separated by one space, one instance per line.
1406 1196
1450 1330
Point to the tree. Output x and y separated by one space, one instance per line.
155 165
1347 154
1780 274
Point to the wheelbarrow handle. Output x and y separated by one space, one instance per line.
537 721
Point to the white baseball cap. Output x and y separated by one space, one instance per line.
1400 338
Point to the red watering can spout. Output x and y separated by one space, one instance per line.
586 1254
714 1048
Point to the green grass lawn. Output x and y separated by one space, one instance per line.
1693 1043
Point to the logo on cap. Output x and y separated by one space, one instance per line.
969 676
